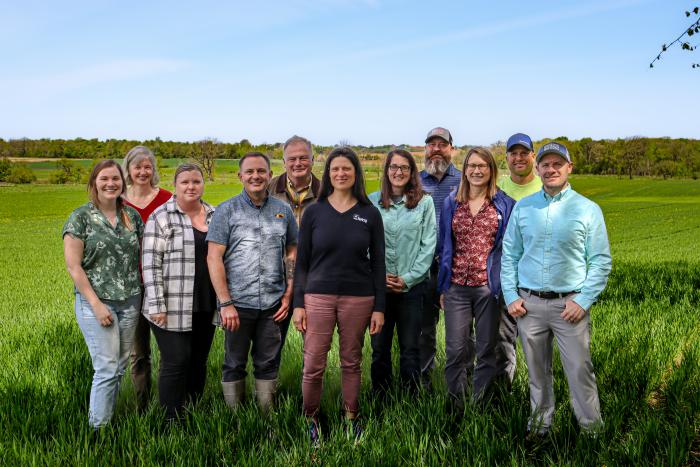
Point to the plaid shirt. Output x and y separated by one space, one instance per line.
168 265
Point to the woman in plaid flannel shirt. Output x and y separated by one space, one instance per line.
179 299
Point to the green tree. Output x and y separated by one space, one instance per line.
205 153
67 172
5 167
632 154
20 173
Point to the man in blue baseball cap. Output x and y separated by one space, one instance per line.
520 156
520 182
556 261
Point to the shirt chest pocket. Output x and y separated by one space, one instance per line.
275 229
175 239
411 220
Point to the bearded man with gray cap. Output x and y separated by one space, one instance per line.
555 263
439 178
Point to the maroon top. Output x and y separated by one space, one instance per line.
474 237
161 198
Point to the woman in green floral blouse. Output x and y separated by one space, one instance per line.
101 247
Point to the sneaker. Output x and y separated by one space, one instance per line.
314 433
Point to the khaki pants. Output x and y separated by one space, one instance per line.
537 328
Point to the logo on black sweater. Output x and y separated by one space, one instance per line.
358 218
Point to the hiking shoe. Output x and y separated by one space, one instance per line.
314 433
354 429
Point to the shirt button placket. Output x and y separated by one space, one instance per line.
260 266
547 247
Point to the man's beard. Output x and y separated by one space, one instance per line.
436 167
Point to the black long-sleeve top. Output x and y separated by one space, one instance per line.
341 253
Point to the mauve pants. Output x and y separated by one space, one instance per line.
323 312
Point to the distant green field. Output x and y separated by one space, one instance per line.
225 169
646 350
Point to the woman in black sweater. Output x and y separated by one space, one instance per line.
340 279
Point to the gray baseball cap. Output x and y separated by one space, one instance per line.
553 148
439 132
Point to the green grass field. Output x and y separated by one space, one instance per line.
646 351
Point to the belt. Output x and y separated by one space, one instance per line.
549 295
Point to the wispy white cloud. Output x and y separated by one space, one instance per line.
473 32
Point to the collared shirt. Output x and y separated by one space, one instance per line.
517 191
439 189
410 236
556 244
474 239
296 198
110 254
169 265
256 239
282 188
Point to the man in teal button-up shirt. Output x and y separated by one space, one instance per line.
556 261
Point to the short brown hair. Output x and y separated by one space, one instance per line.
187 167
254 154
485 154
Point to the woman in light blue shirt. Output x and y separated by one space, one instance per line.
410 234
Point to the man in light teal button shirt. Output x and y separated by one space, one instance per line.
556 261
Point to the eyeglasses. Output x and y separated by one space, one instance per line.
477 166
403 168
441 145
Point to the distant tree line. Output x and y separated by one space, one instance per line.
663 157
80 148
635 156
629 157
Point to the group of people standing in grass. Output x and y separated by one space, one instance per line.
325 255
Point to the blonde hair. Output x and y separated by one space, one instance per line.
485 154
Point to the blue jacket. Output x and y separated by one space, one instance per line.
504 205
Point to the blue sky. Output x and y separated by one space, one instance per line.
363 71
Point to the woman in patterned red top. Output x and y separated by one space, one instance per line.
142 193
473 221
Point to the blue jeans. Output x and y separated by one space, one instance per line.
109 349
404 311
